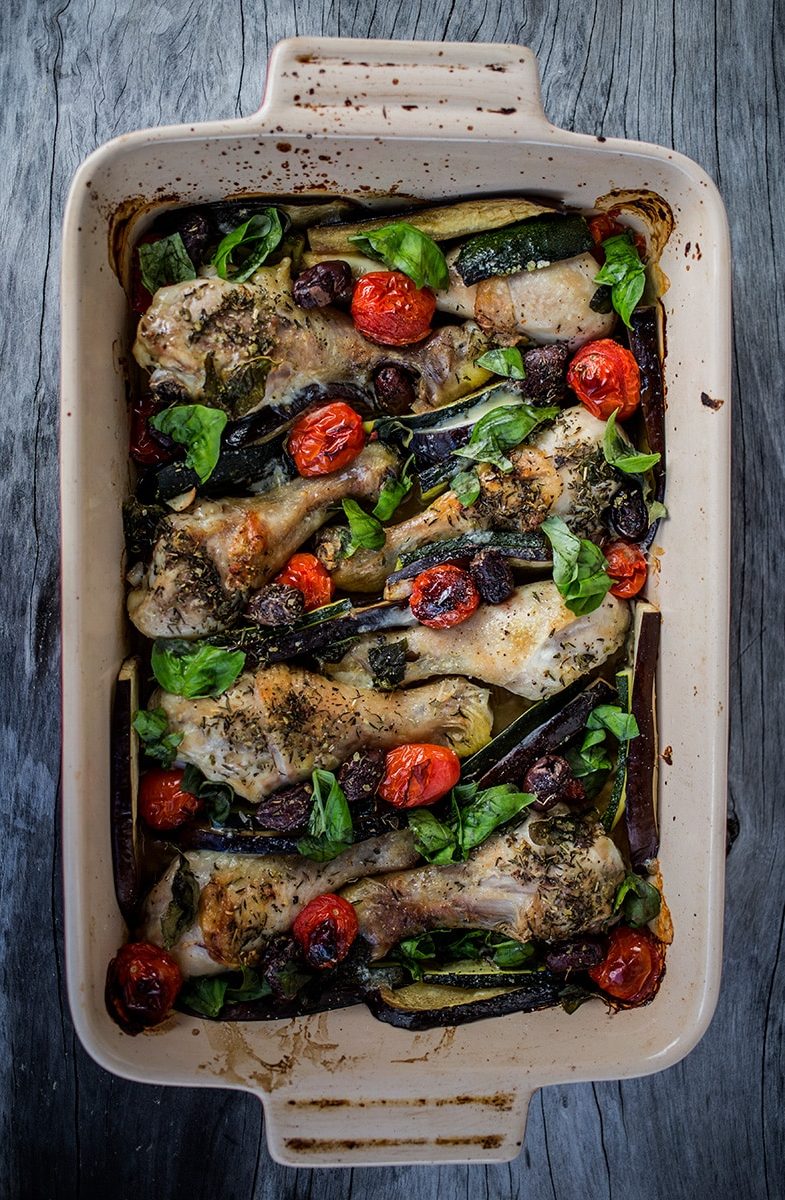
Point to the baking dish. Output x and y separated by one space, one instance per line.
421 119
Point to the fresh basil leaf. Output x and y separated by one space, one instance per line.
245 249
393 492
507 362
473 818
181 909
489 809
330 829
621 724
364 530
586 764
218 797
624 272
639 900
621 454
151 726
163 262
199 429
579 568
195 669
204 994
502 429
466 486
433 839
401 247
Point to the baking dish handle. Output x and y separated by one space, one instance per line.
417 89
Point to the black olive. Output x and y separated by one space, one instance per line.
276 604
551 780
627 516
361 776
493 576
576 955
325 283
286 811
394 388
196 234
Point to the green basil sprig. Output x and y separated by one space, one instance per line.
474 817
639 900
151 725
620 453
364 530
199 429
503 361
593 755
330 829
502 429
401 247
248 246
624 272
163 262
208 994
579 568
181 909
195 669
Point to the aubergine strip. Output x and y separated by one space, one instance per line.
644 341
273 419
539 731
234 473
124 791
227 840
391 1007
530 547
641 808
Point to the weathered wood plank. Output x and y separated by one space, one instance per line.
704 77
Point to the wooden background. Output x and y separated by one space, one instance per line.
705 76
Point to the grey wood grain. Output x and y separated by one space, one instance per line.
704 77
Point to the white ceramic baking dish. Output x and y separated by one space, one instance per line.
432 120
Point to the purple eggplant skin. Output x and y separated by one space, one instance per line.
227 840
126 865
644 342
640 813
264 647
543 992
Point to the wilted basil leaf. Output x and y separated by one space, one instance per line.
245 249
364 530
502 429
204 994
199 429
330 829
218 797
151 726
509 955
611 717
489 809
251 987
507 362
393 492
401 247
466 486
181 909
572 996
639 900
195 669
624 272
474 817
621 454
444 946
163 262
578 568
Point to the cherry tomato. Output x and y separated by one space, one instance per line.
627 563
162 802
142 983
388 307
443 596
306 573
605 226
326 440
145 447
325 929
418 774
606 379
633 966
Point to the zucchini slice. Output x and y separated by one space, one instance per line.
473 974
641 809
428 1006
442 223
526 550
527 246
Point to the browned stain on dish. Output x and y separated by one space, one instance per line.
444 1043
667 754
486 1141
501 1101
710 402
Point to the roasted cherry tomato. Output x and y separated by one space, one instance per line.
418 774
605 226
325 929
633 966
388 307
162 802
306 573
627 564
142 983
443 596
145 447
606 379
326 440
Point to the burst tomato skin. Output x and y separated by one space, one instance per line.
142 983
162 802
389 308
306 573
627 564
326 440
145 448
443 596
606 379
325 930
605 226
417 774
633 966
